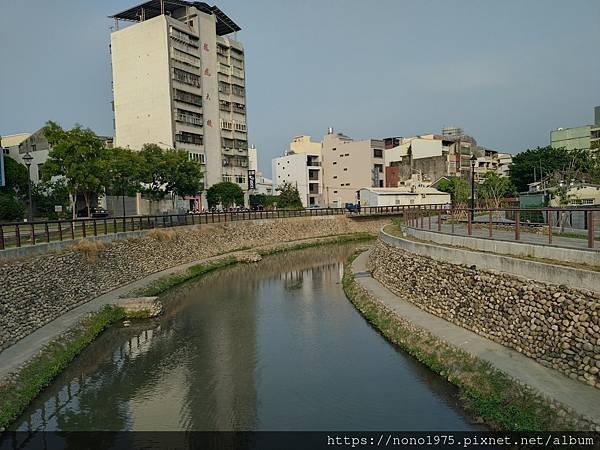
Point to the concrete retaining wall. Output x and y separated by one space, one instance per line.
556 325
582 256
533 270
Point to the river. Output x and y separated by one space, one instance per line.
271 346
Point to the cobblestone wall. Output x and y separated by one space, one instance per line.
553 324
37 289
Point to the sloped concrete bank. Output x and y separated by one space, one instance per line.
37 289
500 386
556 325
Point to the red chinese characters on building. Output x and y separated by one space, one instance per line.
207 72
209 123
205 47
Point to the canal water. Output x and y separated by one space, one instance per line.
271 346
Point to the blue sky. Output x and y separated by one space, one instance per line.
507 72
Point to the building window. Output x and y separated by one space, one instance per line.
187 97
188 117
335 192
378 168
240 179
377 153
333 149
347 154
186 77
334 163
189 138
227 177
335 177
345 169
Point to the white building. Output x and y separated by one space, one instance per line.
179 82
409 193
302 170
264 185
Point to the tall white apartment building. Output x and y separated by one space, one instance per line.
179 82
301 167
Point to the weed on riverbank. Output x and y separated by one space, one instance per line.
39 372
494 397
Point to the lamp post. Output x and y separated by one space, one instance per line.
28 158
473 161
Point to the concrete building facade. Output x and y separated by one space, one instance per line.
583 137
350 165
302 170
179 82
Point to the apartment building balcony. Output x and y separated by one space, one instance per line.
180 36
310 163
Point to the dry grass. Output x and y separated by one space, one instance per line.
90 249
162 234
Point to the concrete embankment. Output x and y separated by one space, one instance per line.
506 388
553 323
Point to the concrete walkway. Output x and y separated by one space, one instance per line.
482 231
550 383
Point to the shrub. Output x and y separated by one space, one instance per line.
10 207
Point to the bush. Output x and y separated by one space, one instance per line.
10 207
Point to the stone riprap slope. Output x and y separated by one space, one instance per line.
557 326
37 289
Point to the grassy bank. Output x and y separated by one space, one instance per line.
488 394
39 372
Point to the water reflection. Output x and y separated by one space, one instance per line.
270 346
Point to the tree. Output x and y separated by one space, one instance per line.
458 188
10 207
17 179
76 155
182 175
494 188
262 200
289 197
226 194
48 194
123 169
153 172
540 162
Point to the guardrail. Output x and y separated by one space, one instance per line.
547 221
19 234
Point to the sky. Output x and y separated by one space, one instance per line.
506 72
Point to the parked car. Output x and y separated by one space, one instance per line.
352 207
95 212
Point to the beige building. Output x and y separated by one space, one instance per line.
408 194
348 166
179 82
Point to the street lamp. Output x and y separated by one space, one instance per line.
473 161
28 158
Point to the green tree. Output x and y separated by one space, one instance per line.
289 197
123 169
263 200
494 188
48 194
458 188
153 172
182 175
10 208
17 180
76 155
226 194
540 161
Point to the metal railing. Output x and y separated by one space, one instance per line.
548 222
20 234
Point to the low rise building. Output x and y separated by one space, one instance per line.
410 193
